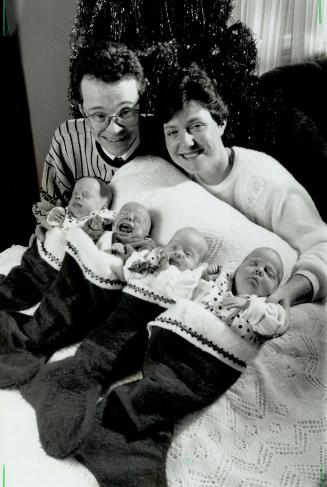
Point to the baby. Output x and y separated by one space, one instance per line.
256 278
86 290
130 231
197 350
66 392
25 284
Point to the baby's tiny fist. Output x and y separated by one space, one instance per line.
156 256
138 266
118 248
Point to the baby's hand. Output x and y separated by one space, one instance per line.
142 243
139 266
41 210
56 216
148 244
238 302
94 227
211 272
157 258
118 248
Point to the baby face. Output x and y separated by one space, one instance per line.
86 197
186 249
133 220
260 273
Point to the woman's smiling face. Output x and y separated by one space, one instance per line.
193 139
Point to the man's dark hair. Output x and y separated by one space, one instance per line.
190 84
106 61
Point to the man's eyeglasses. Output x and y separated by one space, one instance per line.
126 117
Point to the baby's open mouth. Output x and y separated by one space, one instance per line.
125 228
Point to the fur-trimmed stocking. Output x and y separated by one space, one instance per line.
26 283
178 378
64 393
115 461
70 308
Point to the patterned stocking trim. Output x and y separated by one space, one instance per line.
91 276
199 340
49 257
142 292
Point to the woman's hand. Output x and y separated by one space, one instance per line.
297 290
281 296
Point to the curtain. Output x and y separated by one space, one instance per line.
19 187
286 31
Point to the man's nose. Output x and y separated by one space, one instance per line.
259 271
77 196
114 127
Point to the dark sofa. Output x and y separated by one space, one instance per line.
301 142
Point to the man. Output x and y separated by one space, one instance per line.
107 85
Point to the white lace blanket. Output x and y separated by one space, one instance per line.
268 430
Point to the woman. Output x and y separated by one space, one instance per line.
194 119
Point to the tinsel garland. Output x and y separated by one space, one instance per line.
171 34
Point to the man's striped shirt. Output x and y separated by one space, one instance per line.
75 153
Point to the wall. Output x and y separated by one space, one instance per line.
43 29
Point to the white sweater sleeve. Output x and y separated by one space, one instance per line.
292 214
267 319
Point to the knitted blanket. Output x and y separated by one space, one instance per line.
269 429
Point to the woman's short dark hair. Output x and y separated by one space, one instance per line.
190 84
106 61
